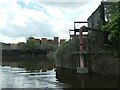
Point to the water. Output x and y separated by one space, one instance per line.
13 77
16 75
43 74
86 80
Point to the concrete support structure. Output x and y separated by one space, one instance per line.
81 50
82 69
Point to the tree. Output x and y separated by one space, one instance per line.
113 20
69 46
31 44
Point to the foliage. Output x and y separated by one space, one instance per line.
49 47
51 56
52 52
111 10
113 24
69 46
113 27
31 44
33 47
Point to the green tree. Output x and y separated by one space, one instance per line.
31 44
113 20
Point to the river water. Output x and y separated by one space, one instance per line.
44 75
40 74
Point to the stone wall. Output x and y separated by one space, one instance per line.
68 61
105 64
103 60
67 55
102 63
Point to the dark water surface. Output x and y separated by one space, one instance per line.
43 74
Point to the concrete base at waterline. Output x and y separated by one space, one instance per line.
82 70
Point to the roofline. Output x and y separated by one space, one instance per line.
102 3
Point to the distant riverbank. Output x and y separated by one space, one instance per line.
19 55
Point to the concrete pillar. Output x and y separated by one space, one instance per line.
81 61
81 50
81 69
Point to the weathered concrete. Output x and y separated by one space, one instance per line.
82 70
105 65
68 61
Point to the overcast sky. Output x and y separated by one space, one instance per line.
20 19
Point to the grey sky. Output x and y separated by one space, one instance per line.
22 18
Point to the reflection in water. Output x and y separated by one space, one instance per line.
32 65
11 78
39 74
86 81
42 74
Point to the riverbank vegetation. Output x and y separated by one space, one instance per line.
34 48
64 50
69 46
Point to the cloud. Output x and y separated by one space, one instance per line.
24 18
7 39
34 28
112 0
24 22
65 5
